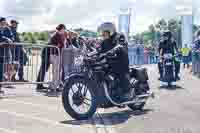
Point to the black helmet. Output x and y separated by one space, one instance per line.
167 34
2 19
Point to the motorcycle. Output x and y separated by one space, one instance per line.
97 86
168 66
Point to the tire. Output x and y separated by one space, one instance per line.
66 103
140 106
137 107
170 85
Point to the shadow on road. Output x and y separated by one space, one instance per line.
108 118
176 87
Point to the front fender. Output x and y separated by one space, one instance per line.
74 75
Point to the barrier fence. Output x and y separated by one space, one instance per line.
25 63
196 62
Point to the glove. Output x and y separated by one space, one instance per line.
110 53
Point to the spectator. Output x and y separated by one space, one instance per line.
7 34
74 47
18 53
51 56
75 41
146 55
59 40
185 51
5 54
45 64
196 54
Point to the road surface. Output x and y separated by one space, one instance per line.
22 110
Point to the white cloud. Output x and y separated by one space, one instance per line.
45 14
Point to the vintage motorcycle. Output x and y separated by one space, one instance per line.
96 86
168 66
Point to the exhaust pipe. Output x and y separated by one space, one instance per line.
138 99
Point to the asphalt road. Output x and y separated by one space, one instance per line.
22 110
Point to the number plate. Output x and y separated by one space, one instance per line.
169 64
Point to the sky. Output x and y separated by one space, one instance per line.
38 15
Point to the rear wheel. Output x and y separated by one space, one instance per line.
78 99
138 106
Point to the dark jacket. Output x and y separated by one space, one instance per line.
58 41
117 45
168 47
5 36
15 34
17 52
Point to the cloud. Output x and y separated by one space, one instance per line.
46 14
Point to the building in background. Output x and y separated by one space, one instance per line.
124 21
187 29
186 14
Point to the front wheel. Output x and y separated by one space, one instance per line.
78 99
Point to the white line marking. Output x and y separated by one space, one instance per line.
8 130
31 117
44 120
31 104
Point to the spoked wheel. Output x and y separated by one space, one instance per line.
78 99
138 106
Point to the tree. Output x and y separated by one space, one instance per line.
161 25
152 34
151 28
43 36
36 35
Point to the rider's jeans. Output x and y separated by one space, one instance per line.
124 82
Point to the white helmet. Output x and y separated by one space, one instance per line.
107 26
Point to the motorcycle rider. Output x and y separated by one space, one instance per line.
168 45
115 43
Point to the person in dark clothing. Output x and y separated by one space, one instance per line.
45 64
18 53
58 40
5 39
167 45
75 41
114 43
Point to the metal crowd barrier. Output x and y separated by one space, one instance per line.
26 63
143 59
39 65
196 62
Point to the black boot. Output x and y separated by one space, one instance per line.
41 88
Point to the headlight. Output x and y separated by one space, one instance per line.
78 60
